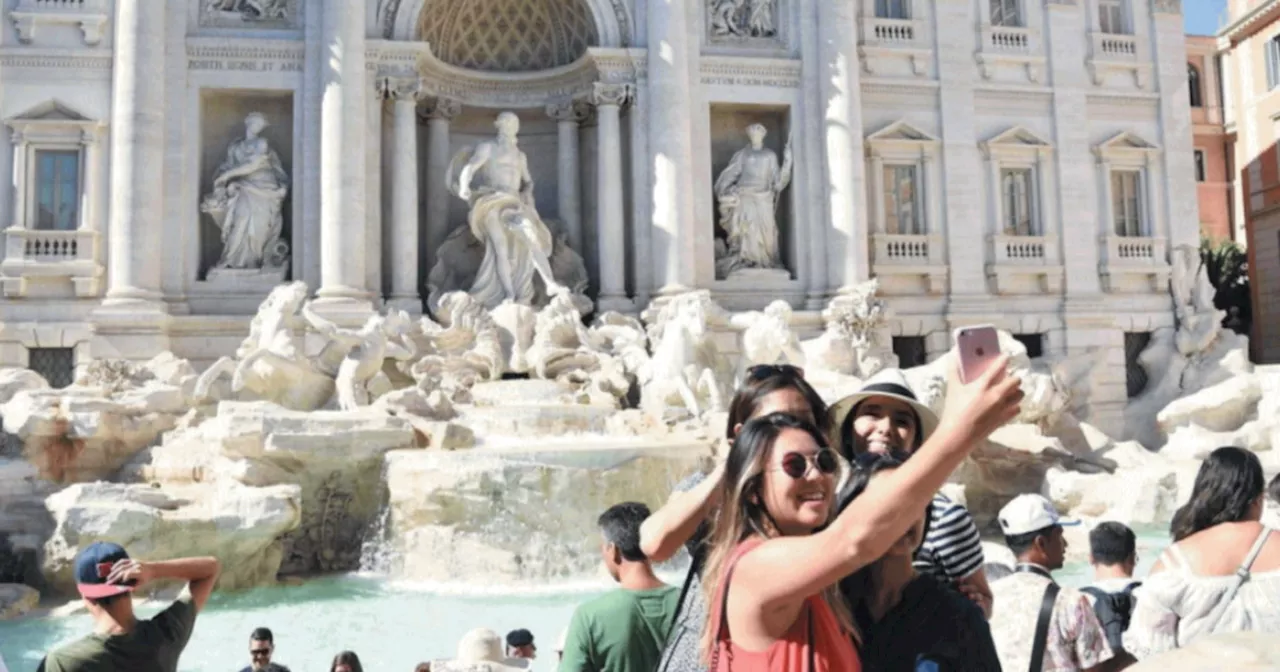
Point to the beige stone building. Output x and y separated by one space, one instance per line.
1250 52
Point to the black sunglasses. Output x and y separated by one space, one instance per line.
259 652
762 371
796 465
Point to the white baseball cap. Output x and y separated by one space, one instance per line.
1030 513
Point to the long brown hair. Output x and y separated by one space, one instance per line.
743 514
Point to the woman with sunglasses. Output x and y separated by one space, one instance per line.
776 555
682 521
885 418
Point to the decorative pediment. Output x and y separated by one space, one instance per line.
900 131
51 110
1126 141
1016 141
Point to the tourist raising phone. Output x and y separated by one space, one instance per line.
771 575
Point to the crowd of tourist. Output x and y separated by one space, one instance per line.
820 542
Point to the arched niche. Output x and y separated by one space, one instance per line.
403 19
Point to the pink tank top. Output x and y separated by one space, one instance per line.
832 649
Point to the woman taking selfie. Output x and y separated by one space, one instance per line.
681 522
770 575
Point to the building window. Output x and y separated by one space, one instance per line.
1111 17
1273 62
893 9
1126 202
57 190
57 365
1033 342
910 351
1199 165
1193 85
902 200
1017 189
1006 13
1135 376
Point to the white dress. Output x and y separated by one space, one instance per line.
1177 606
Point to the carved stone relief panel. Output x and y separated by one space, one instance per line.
742 21
250 13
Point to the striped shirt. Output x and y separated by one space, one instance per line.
952 549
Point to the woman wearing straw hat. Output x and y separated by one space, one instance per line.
885 417
479 651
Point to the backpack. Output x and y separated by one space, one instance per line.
1113 610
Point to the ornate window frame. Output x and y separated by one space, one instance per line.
30 252
901 143
1011 45
1117 51
1012 254
89 15
1143 255
882 38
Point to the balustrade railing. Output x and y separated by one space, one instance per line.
891 31
1006 38
908 249
50 246
1021 249
1129 251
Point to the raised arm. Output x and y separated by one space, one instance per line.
667 529
199 573
478 159
786 570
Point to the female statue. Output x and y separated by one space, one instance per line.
248 192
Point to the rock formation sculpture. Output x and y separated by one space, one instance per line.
852 344
686 368
767 336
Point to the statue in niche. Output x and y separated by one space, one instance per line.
747 192
250 10
743 18
520 251
248 192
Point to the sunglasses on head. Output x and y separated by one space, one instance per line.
796 465
762 371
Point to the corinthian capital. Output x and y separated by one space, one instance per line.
403 88
442 108
569 110
612 94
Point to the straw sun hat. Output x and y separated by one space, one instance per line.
889 383
479 651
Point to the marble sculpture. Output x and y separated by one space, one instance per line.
747 191
248 193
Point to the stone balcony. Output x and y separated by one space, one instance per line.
1024 265
89 15
1110 52
50 257
911 257
1133 264
883 41
1010 46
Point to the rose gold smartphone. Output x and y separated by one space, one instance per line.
978 347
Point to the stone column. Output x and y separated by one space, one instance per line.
404 195
671 146
375 96
439 112
19 216
610 223
568 116
342 166
848 262
1181 212
137 158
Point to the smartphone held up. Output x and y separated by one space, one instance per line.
978 346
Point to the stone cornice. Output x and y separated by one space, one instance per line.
1243 25
63 59
739 71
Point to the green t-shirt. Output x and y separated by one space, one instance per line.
621 631
153 646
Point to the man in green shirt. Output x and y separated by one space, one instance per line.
624 630
106 577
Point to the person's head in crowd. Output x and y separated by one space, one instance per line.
1033 531
520 644
1113 550
866 472
347 661
779 480
1273 490
102 597
1228 489
423 667
883 416
262 645
620 528
775 388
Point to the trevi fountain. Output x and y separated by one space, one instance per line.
618 218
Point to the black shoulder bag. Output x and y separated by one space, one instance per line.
1041 640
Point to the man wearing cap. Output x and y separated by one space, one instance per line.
885 417
520 647
1036 618
106 577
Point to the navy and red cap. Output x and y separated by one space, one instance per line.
93 566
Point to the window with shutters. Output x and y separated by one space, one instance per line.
1112 17
1006 13
1126 202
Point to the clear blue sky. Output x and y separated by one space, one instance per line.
1203 17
